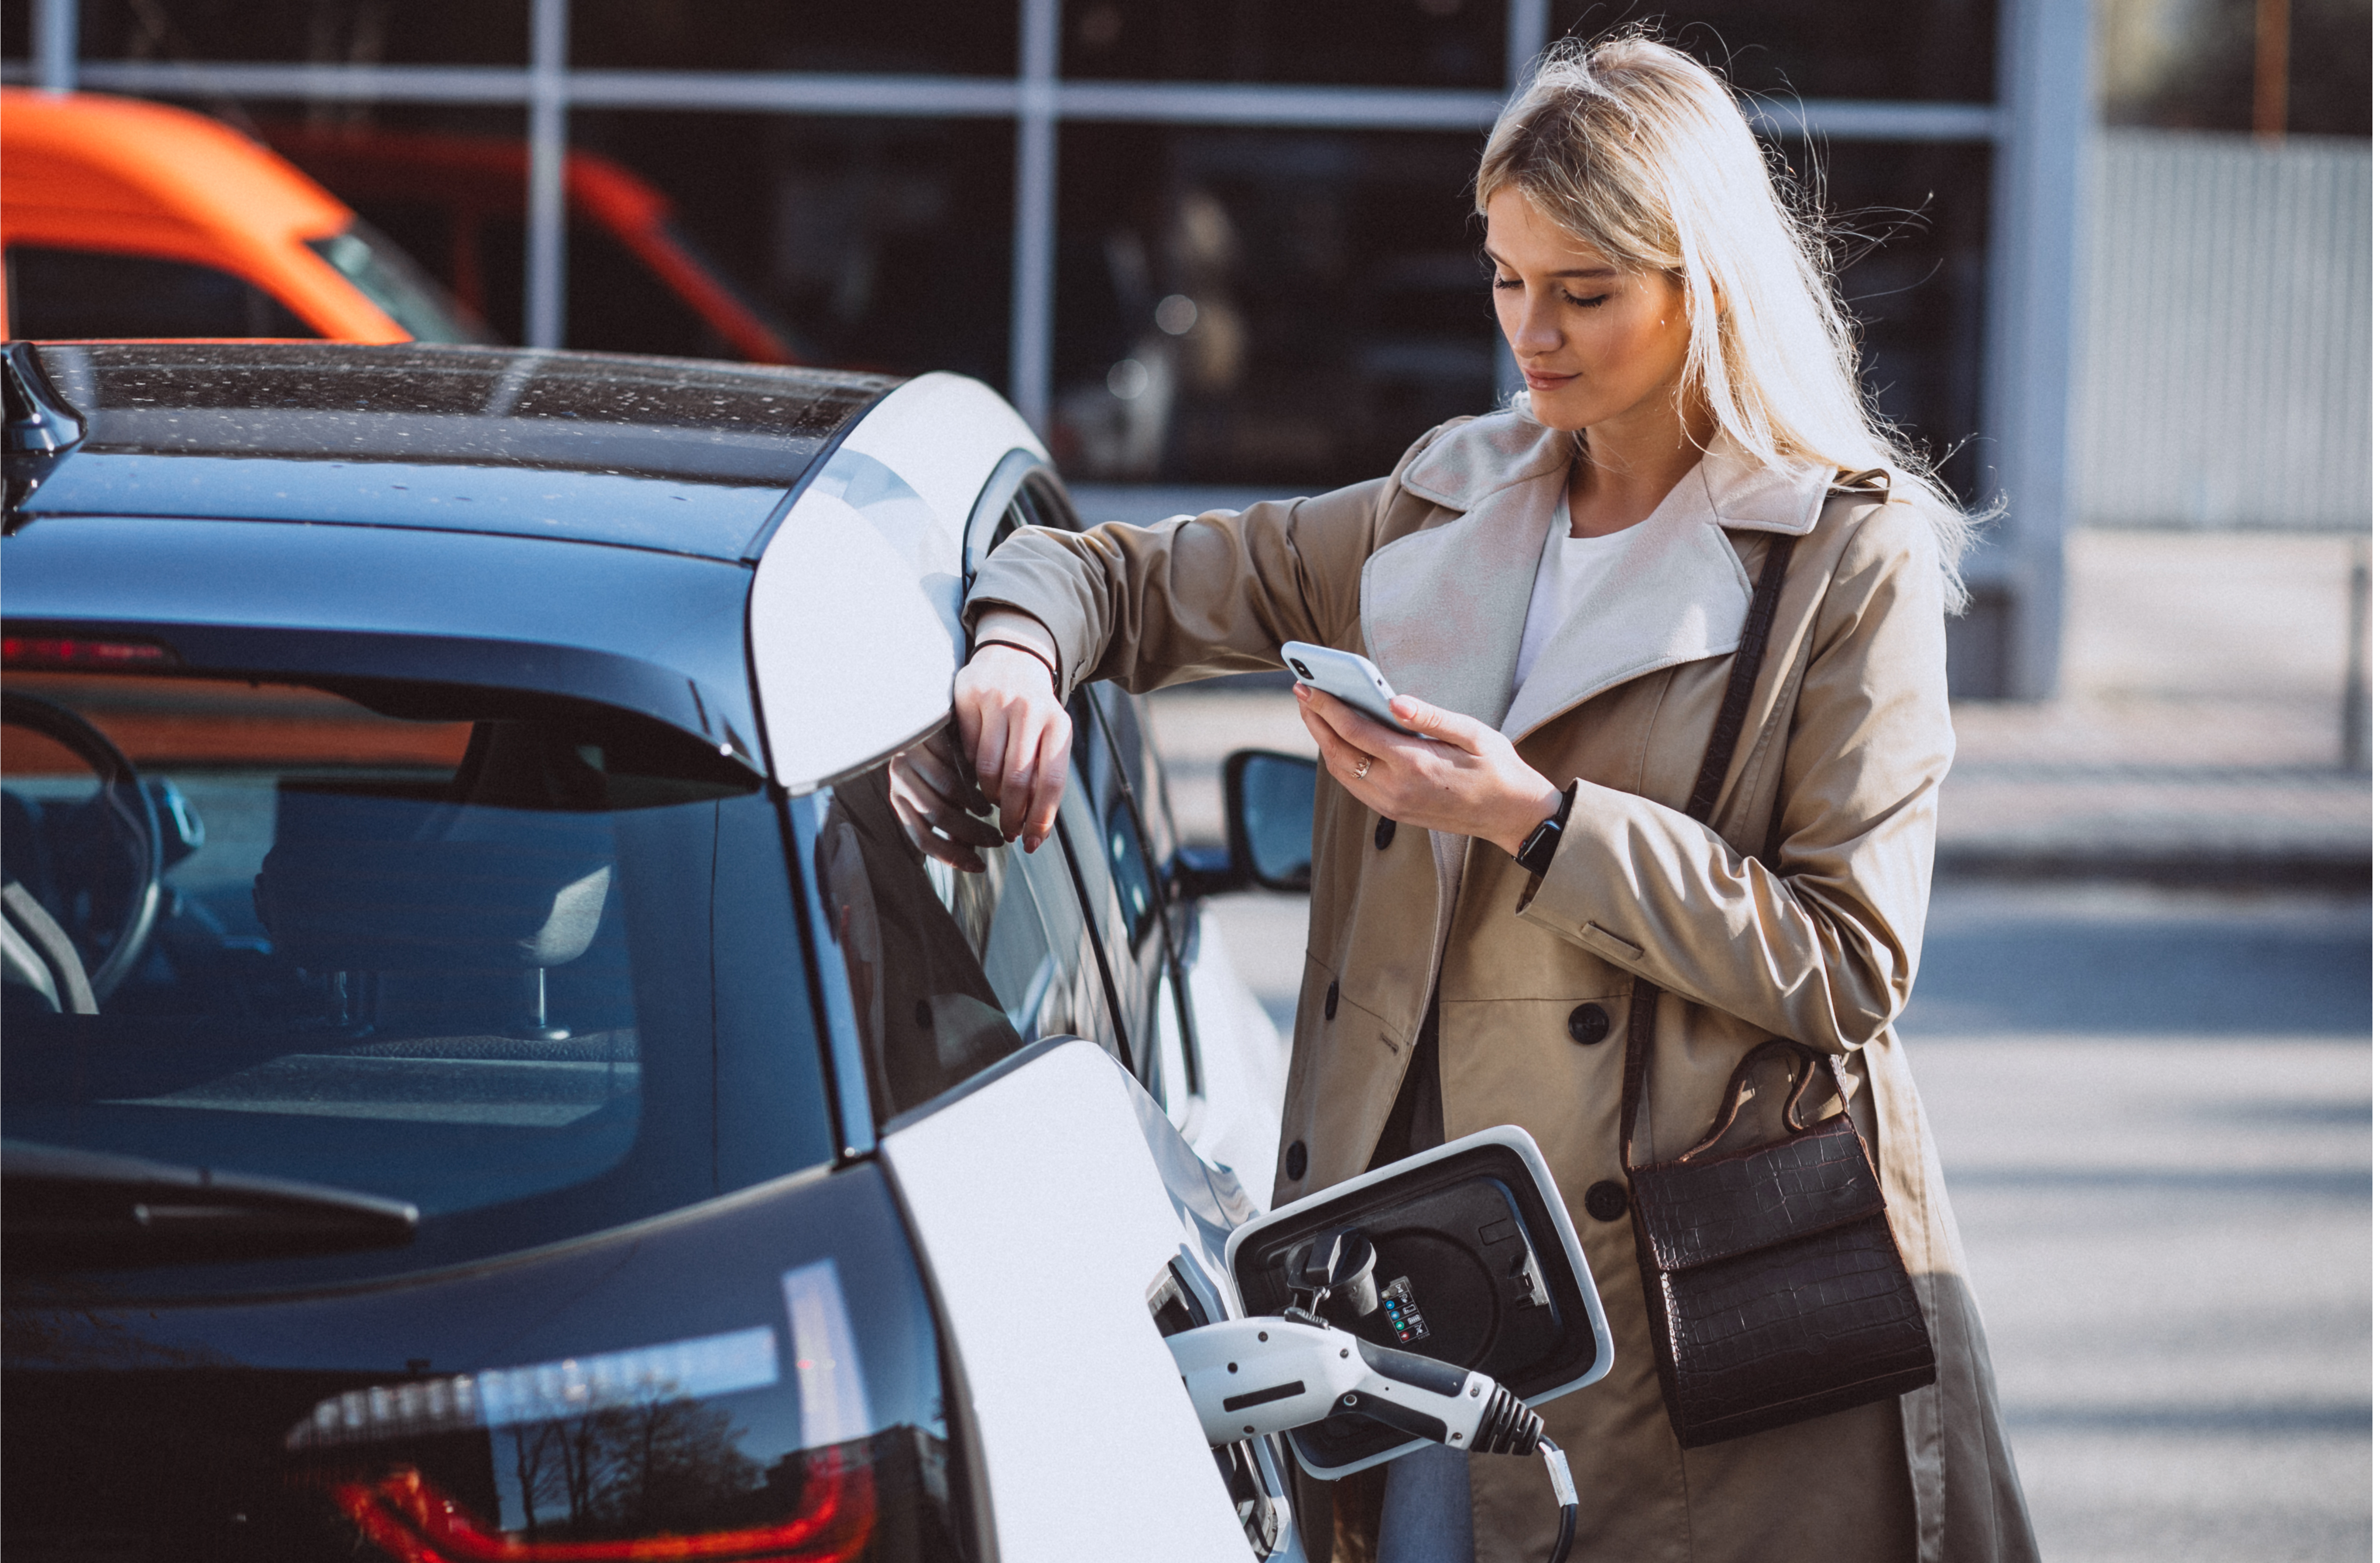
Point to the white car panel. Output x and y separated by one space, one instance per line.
943 433
1042 1219
853 649
864 574
1244 1069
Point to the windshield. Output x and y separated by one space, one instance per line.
529 966
405 293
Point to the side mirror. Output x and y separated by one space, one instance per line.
1464 1254
1269 808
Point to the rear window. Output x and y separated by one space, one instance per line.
531 967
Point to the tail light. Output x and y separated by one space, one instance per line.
586 1418
410 1519
76 654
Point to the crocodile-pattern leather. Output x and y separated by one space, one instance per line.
1697 1212
1774 1289
1783 1334
1771 1280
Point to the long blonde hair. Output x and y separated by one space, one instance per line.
1640 152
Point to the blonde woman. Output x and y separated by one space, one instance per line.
1556 590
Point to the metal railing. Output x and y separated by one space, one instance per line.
2226 371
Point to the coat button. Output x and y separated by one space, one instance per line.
1589 1023
1296 1160
1606 1201
1330 1002
1383 833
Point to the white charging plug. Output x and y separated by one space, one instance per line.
1252 1376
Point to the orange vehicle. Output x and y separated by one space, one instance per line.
127 219
475 190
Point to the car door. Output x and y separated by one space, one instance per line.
1003 1024
1213 1057
1052 1200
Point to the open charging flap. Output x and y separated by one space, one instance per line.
1464 1253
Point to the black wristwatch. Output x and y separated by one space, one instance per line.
1536 853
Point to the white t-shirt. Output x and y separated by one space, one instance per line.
1569 571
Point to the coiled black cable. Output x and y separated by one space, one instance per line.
1565 1494
1509 1427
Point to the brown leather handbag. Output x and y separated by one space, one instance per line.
1773 1286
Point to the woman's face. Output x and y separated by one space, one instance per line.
1596 343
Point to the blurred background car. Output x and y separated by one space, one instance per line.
127 219
460 204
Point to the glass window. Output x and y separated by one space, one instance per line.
387 276
535 972
880 244
956 37
1109 774
1127 885
1138 760
416 32
67 294
2195 68
951 972
1263 306
1916 217
1933 49
1365 42
446 184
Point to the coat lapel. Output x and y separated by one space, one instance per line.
1678 592
1443 608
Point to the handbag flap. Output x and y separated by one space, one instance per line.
1698 1212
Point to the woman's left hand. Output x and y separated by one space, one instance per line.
1458 775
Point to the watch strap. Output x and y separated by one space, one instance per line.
1536 853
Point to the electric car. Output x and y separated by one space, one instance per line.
488 1076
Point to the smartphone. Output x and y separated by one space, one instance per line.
1352 678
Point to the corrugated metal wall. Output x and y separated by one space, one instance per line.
2227 360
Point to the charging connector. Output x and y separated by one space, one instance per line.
1249 1377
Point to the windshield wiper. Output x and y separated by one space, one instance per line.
62 1208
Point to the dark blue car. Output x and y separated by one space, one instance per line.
487 1076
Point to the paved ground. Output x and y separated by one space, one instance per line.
2154 1111
2198 730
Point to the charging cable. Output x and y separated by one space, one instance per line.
1565 1494
1247 1377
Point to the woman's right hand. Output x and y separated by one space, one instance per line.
1018 737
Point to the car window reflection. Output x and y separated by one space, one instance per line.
951 972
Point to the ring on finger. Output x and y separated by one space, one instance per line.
1363 768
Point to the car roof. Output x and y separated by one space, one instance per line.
769 557
683 455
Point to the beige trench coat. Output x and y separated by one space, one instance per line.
1799 916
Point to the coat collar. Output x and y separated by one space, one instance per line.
1444 607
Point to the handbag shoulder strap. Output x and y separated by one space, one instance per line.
1749 651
